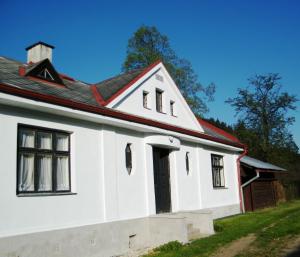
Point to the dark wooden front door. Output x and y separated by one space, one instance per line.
161 179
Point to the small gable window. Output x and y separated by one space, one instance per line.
128 158
159 94
145 99
172 103
187 162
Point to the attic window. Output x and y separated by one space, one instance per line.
172 108
44 71
145 99
159 94
45 74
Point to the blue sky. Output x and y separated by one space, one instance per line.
226 41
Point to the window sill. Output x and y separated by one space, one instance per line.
220 188
147 108
44 194
161 112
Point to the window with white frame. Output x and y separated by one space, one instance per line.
43 164
172 111
217 170
145 99
159 100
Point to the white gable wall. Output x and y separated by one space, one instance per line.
131 101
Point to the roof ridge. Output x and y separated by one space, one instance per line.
119 75
110 92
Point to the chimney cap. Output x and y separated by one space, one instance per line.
39 43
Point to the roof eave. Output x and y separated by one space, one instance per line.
111 113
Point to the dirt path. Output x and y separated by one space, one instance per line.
235 247
292 249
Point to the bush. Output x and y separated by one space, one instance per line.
218 227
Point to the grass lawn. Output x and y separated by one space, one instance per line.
272 227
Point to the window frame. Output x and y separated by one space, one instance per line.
146 97
36 152
220 173
172 109
128 165
159 104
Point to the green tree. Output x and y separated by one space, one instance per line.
148 45
263 110
220 124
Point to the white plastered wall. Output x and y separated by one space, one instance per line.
214 197
131 188
186 183
37 213
103 189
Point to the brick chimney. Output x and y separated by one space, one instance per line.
38 52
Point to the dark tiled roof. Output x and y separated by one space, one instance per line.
109 87
74 90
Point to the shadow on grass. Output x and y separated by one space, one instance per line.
295 253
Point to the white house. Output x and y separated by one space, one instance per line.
107 169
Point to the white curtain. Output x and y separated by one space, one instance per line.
44 140
62 143
26 138
222 178
62 173
45 173
26 175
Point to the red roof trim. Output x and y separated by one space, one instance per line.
113 97
109 113
97 95
45 81
22 71
218 130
